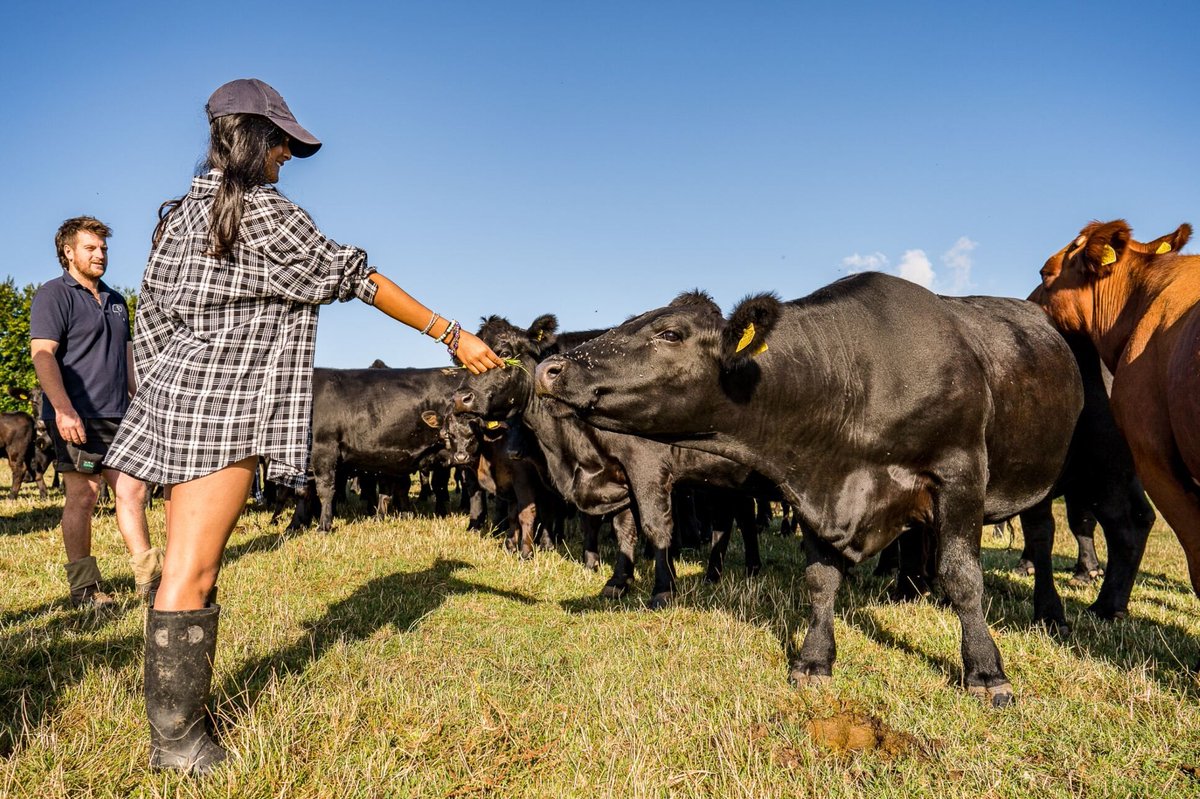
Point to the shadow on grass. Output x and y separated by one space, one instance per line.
399 599
39 663
31 520
1127 644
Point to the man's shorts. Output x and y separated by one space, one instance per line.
100 434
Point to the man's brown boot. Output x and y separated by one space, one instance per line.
83 576
147 571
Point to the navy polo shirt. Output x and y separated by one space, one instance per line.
92 338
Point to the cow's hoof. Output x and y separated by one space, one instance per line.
997 696
1107 613
612 591
1058 628
591 561
906 591
526 554
712 577
802 677
661 600
1084 578
1023 568
753 571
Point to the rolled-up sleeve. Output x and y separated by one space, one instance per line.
310 268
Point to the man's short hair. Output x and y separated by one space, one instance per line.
68 230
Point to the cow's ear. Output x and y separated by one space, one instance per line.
432 419
749 328
1172 242
1104 244
543 332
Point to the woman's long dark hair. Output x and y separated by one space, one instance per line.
238 145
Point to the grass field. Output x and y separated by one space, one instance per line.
408 657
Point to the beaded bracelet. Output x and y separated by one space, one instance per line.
453 332
432 321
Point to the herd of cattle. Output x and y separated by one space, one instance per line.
881 417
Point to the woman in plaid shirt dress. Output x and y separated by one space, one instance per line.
226 329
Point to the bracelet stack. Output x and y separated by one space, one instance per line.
450 337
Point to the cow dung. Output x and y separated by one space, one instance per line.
849 732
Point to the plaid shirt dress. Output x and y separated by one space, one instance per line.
223 350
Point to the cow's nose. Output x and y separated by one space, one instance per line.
464 401
547 373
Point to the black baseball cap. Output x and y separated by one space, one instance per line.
252 96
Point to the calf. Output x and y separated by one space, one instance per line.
18 436
1140 306
381 421
875 405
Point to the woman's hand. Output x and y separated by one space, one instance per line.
475 355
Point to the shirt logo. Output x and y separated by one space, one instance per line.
119 310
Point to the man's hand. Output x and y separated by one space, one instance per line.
70 426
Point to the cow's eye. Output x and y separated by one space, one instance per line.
670 335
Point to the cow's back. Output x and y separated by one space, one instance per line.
1036 398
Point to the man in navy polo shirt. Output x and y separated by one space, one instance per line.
83 356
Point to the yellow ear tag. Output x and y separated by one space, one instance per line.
1110 255
1162 248
491 425
747 337
760 350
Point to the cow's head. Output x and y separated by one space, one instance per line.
1069 277
497 393
461 435
667 371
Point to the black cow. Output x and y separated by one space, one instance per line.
874 404
598 471
1099 480
380 421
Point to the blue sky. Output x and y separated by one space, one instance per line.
593 159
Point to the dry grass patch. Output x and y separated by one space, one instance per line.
409 657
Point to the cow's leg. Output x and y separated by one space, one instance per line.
1083 527
722 530
1126 518
889 559
591 540
747 522
1025 567
439 484
1038 524
913 574
961 578
823 576
656 514
526 513
325 493
16 465
625 528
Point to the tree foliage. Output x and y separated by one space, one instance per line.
16 364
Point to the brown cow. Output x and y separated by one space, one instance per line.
1140 304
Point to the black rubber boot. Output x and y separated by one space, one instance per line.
180 645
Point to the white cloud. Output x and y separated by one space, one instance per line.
915 266
874 262
958 261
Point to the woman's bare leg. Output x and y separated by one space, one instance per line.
201 518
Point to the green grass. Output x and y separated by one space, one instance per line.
408 657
